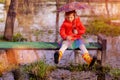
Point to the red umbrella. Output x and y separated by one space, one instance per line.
72 6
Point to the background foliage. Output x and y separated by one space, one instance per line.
104 26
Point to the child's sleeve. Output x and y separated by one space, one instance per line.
62 32
81 29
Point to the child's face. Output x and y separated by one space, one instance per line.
70 17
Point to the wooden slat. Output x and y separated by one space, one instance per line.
42 46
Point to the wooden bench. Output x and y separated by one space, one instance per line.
100 46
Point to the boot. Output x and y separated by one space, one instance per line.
90 61
57 56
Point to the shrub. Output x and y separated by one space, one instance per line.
102 25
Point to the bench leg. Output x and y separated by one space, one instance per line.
99 57
77 57
103 58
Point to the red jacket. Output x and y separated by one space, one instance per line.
67 27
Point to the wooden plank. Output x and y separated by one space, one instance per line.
42 46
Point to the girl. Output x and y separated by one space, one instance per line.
71 32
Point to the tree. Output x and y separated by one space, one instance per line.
11 15
106 5
57 19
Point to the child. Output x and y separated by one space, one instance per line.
71 32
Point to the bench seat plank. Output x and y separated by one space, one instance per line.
42 46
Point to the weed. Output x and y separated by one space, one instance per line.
18 37
115 72
50 31
78 67
38 32
1 38
38 70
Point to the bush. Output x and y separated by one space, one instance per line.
102 25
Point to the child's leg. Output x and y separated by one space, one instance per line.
83 48
58 54
85 53
64 46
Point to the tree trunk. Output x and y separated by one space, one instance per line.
106 5
57 20
9 26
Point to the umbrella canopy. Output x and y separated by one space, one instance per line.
72 6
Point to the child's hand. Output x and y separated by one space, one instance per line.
75 31
69 38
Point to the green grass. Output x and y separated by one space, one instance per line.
16 38
98 69
101 25
84 67
115 72
38 70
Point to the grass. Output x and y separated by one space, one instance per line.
102 25
16 38
84 67
98 69
115 72
38 32
38 70
6 68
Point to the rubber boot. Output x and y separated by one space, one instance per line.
87 58
57 56
90 61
